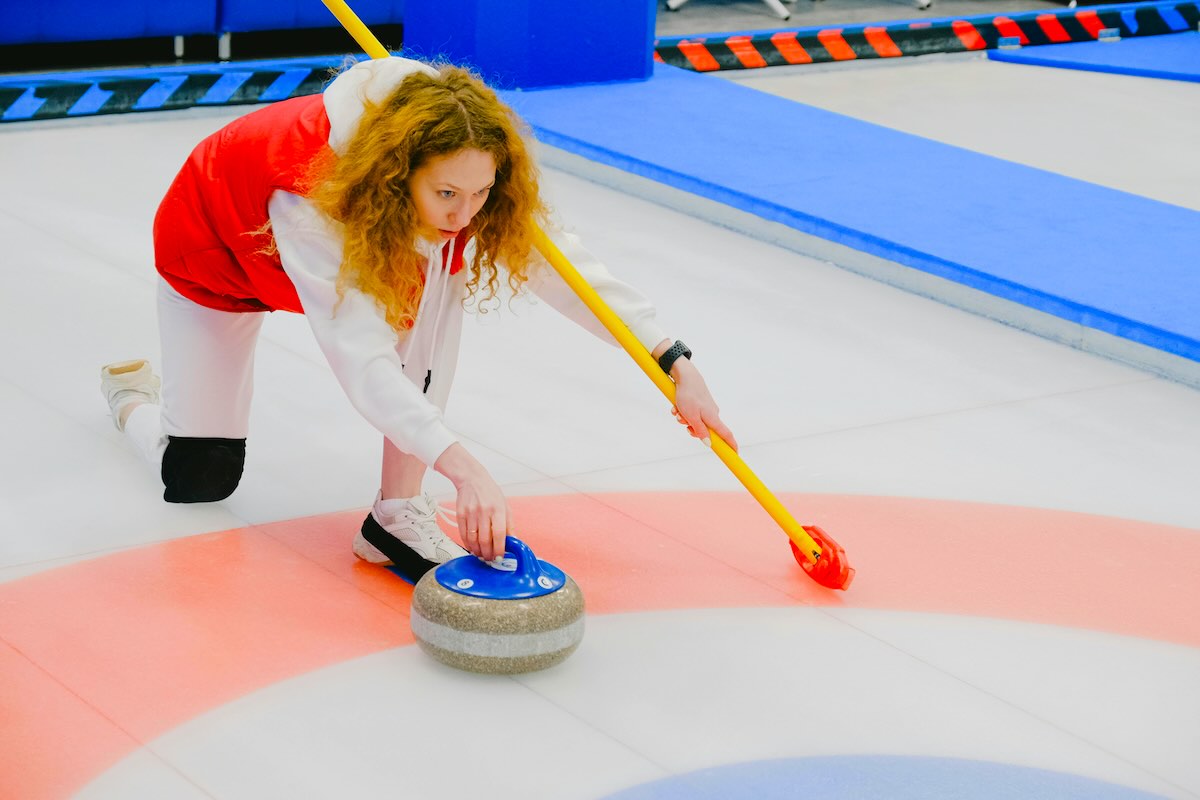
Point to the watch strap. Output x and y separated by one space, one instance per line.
672 354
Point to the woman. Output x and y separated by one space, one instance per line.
376 209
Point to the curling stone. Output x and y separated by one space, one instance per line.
520 615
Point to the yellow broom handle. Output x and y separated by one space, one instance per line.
355 27
641 355
795 531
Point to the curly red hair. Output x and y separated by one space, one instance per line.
366 190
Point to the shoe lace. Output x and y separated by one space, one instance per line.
442 512
418 516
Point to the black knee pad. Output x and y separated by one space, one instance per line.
201 470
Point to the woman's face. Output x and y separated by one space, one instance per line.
449 190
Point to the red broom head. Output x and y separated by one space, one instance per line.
831 570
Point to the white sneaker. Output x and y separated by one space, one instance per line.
126 382
411 539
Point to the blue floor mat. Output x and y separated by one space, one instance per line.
1106 259
1173 57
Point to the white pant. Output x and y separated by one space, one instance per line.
207 375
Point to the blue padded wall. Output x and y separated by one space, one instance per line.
243 16
536 43
88 20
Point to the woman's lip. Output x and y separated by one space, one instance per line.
448 234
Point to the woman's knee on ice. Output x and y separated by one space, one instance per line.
201 470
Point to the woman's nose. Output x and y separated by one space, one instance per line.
460 214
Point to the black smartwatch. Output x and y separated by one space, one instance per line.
673 354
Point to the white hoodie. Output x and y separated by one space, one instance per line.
384 374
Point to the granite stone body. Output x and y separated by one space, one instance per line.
497 636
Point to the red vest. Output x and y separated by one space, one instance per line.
204 242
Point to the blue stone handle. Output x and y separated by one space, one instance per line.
527 563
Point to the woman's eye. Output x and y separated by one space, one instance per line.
446 194
483 192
